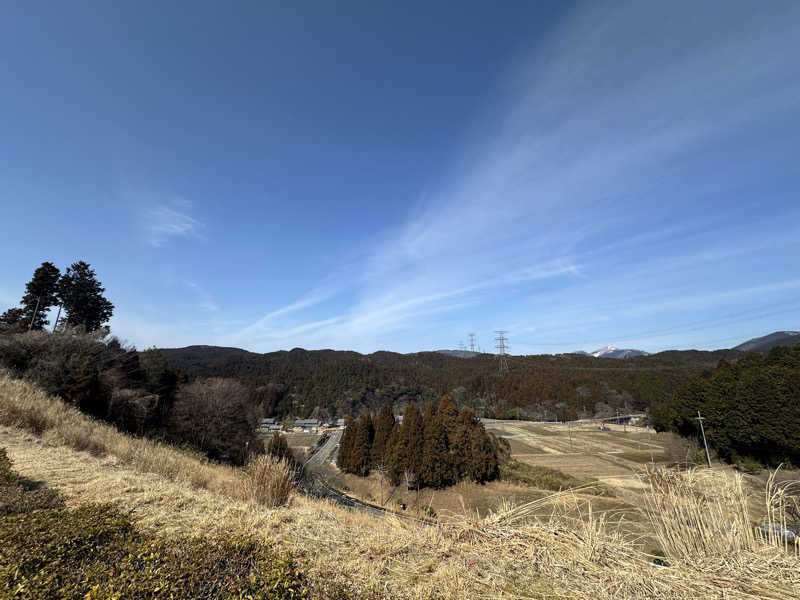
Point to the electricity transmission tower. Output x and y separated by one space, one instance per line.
472 342
501 349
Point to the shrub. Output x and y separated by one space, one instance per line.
211 415
270 480
546 478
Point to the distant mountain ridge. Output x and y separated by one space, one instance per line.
767 342
612 352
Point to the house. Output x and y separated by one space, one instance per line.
268 424
306 425
339 422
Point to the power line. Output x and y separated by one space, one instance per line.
501 349
471 342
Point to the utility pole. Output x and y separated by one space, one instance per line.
501 349
472 342
650 443
705 443
569 428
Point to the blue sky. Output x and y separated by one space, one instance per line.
375 175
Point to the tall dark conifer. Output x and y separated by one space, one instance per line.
413 439
436 470
383 429
344 457
82 297
448 416
40 295
362 445
461 447
483 465
396 455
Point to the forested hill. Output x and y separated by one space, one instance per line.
330 383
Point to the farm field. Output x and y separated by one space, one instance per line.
584 450
611 458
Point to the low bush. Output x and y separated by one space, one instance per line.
546 478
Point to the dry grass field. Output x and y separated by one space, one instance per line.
614 458
702 522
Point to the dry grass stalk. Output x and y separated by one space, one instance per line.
269 481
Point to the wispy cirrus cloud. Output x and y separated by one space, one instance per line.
582 199
164 222
204 300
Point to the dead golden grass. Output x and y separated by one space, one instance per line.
25 406
511 553
269 481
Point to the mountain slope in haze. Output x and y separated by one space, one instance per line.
767 342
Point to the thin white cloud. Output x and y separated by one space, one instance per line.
577 196
204 300
163 223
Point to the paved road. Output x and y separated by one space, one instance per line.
327 451
314 483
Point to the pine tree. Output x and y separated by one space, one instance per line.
344 457
383 429
436 470
82 297
40 295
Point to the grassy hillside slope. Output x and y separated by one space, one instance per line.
505 554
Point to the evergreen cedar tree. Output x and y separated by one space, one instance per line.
78 292
82 297
384 423
751 408
42 289
434 450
